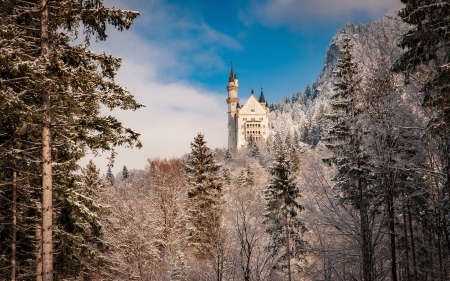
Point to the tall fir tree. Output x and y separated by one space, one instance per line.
426 62
206 194
109 176
344 139
125 173
79 248
45 79
282 213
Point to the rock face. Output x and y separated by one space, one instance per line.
303 112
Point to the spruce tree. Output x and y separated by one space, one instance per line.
45 79
246 177
78 247
426 61
109 176
344 139
282 211
125 173
205 193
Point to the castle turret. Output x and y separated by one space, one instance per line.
233 102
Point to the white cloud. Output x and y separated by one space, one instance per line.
154 68
298 13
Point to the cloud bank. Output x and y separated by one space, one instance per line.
300 13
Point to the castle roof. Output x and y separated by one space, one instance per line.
261 97
233 75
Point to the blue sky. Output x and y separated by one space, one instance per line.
176 60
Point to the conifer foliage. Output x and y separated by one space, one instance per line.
427 46
344 139
205 194
51 93
282 213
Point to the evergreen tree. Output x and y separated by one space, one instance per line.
426 62
205 193
226 175
228 155
246 177
109 176
125 173
253 147
47 78
78 246
282 211
344 139
308 92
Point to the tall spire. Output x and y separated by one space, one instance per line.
233 75
261 97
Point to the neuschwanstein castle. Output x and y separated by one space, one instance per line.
250 120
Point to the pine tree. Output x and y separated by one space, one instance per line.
344 139
282 211
426 62
78 236
205 194
246 177
47 78
125 173
109 176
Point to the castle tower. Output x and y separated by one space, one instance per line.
233 104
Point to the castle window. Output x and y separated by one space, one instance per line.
253 119
264 126
264 133
245 119
260 119
253 110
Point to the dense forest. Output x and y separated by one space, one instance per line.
352 184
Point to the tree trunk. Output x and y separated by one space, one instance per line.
405 234
47 208
391 228
288 250
14 226
364 248
38 251
413 247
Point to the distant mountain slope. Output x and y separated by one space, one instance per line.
303 112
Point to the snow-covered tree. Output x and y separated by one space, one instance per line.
344 139
282 213
246 177
205 195
426 65
169 198
48 79
125 173
78 231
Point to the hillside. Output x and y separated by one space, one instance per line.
303 112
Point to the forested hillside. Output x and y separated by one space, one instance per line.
352 184
303 113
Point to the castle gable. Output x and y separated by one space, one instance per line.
252 106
